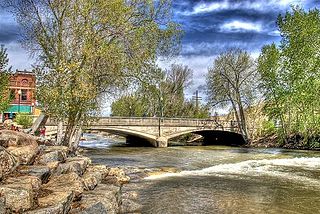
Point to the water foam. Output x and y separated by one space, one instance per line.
265 167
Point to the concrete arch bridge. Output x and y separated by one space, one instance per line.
158 131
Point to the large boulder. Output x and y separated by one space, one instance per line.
13 138
66 182
42 172
93 176
18 197
52 156
59 202
105 199
24 154
75 164
8 163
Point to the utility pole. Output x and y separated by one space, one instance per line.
197 99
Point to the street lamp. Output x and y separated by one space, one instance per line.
19 93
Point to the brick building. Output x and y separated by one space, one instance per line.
22 89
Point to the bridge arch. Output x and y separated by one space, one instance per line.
128 133
214 137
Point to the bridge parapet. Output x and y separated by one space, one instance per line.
157 130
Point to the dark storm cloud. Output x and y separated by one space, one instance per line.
9 29
215 26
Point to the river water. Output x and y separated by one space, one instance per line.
215 179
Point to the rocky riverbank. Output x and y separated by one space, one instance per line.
294 141
39 179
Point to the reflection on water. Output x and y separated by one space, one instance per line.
216 179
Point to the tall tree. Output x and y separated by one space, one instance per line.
89 47
4 79
231 81
291 73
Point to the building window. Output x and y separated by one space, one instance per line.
24 82
24 95
12 94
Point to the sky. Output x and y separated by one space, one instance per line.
210 27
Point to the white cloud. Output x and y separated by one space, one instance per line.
247 5
239 26
274 33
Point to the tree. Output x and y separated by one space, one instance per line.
90 47
163 96
231 81
291 73
4 80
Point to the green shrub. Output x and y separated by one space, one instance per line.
268 128
24 119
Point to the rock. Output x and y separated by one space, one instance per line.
56 202
74 164
17 197
13 138
118 174
66 182
24 154
97 208
93 176
57 209
42 172
25 180
2 205
130 206
53 156
106 195
8 163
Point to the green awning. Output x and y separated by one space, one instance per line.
21 109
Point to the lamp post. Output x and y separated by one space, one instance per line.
160 110
32 108
19 93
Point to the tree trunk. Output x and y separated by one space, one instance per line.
59 133
75 139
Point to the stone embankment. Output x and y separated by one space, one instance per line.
39 179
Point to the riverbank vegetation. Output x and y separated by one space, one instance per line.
276 98
290 77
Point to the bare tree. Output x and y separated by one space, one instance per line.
231 81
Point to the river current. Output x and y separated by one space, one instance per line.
215 179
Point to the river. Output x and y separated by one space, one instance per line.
215 179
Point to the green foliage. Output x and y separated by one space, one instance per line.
4 80
90 47
268 128
290 73
24 119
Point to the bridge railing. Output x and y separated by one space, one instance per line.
155 121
